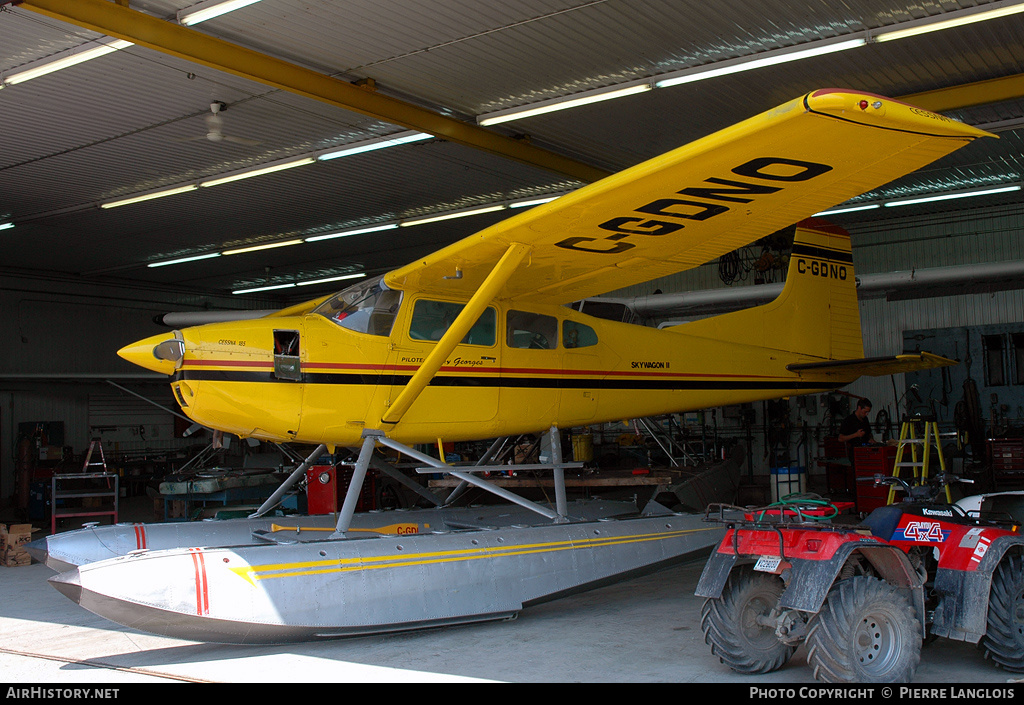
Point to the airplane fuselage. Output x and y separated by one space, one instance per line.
552 367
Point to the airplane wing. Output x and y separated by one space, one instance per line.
878 366
700 201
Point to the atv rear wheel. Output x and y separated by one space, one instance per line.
1004 636
866 632
738 625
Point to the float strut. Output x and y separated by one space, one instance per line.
486 458
559 474
287 484
355 486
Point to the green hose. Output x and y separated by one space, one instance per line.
794 501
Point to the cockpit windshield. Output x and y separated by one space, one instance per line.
368 307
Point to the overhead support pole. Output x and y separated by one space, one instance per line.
493 284
160 35
965 95
287 484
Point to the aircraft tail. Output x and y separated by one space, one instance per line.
816 315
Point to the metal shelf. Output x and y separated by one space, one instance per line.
96 484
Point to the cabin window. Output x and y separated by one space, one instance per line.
531 330
431 319
368 307
577 335
286 355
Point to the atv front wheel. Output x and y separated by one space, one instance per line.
1004 636
738 625
866 632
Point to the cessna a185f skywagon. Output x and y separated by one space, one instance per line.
476 342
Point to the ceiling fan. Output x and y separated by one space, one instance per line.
215 127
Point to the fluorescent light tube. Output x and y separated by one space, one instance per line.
263 288
532 202
331 279
148 196
193 258
203 11
560 104
371 145
255 248
449 216
780 57
851 209
64 59
258 172
346 233
947 24
950 196
5 226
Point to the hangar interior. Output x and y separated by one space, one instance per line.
169 161
261 152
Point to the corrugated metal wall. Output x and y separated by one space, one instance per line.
940 240
130 426
54 329
60 346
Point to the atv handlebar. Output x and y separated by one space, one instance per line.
926 488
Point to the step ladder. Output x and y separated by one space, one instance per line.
72 494
908 437
95 444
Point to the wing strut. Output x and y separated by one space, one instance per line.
489 289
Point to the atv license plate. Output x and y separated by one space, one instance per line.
768 564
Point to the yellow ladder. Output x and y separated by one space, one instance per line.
908 438
95 444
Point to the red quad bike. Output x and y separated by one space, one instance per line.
863 597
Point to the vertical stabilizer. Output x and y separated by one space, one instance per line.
815 315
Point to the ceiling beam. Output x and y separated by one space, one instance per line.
116 20
969 94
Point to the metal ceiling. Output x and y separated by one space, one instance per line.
123 124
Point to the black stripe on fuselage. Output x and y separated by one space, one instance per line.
506 382
822 253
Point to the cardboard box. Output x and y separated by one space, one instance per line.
12 544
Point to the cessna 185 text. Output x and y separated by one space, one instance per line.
475 341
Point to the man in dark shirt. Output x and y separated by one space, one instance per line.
855 429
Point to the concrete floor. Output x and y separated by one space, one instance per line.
643 630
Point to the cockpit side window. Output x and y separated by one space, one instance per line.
369 307
531 330
431 319
577 335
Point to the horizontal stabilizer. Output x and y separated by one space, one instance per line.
878 366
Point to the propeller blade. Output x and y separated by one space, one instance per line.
241 140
